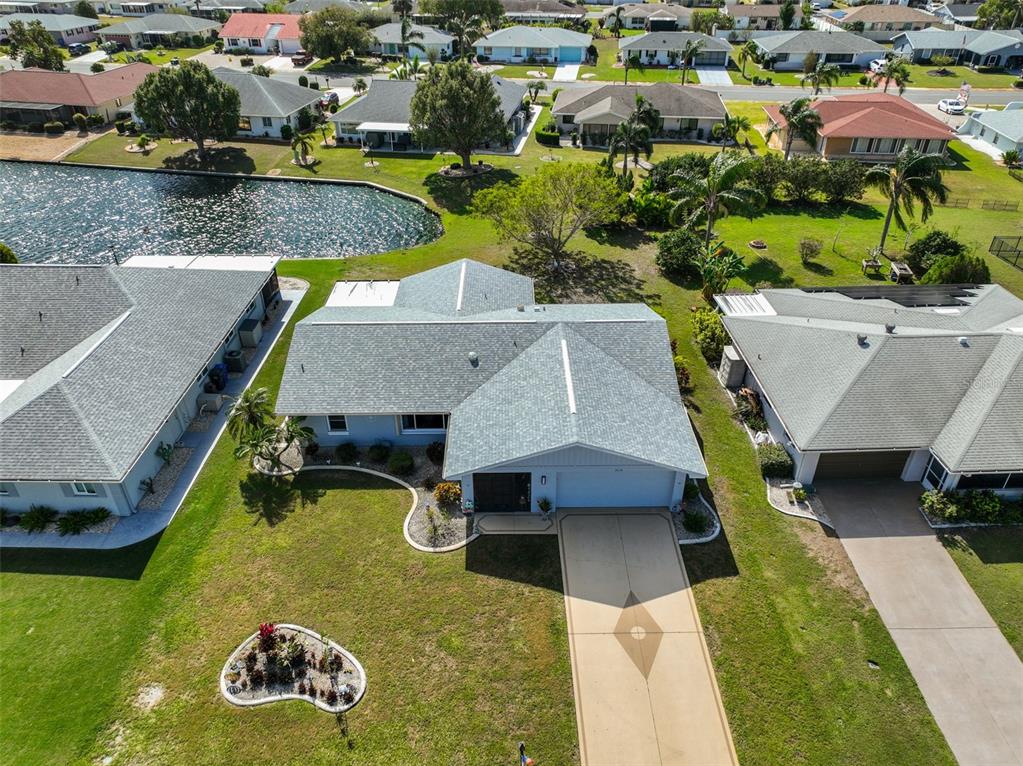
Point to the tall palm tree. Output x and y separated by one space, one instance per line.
465 28
647 115
748 52
823 75
801 121
914 178
301 145
249 412
632 61
410 38
894 69
359 86
631 137
534 87
403 8
614 22
722 191
728 130
688 54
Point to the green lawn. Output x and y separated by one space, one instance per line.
992 562
162 55
981 79
847 80
789 627
606 71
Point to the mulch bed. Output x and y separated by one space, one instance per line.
165 480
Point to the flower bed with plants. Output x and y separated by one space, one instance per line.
43 518
280 662
972 507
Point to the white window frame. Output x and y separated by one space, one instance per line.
83 489
330 427
415 429
942 476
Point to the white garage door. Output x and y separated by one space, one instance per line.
630 487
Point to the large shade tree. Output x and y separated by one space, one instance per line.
1000 14
334 33
914 179
801 121
34 47
466 28
546 209
722 191
456 108
187 101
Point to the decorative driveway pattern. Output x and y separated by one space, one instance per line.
645 691
969 675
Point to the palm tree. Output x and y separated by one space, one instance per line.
270 441
823 75
631 61
748 52
914 178
631 137
614 22
408 70
249 412
359 86
645 114
720 192
801 121
688 54
894 69
403 8
301 145
729 128
410 38
533 87
465 28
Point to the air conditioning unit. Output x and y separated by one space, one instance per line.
732 370
250 333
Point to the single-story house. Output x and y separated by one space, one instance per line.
38 95
663 48
971 47
134 7
311 6
379 120
881 22
102 365
919 382
267 104
63 28
542 45
388 41
576 404
37 6
870 127
1002 129
760 17
964 14
263 33
215 9
170 29
653 17
786 51
543 12
598 110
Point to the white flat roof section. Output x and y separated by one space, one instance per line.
752 304
209 262
374 293
386 127
8 386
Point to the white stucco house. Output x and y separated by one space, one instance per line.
1002 129
388 41
267 105
578 404
664 48
103 364
542 45
920 382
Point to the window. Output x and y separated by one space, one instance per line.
268 122
424 422
255 42
83 488
518 52
488 51
4 489
983 481
244 123
935 474
337 424
567 119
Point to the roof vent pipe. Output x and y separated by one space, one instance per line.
474 359
964 341
520 307
861 340
890 329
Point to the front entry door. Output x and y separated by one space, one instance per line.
501 492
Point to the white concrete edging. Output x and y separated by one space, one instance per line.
715 529
809 515
339 708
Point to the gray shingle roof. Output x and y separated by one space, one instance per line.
115 351
669 99
307 6
391 33
522 36
161 22
1008 121
804 41
916 387
671 41
264 96
978 41
52 22
512 400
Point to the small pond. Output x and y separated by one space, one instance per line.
54 213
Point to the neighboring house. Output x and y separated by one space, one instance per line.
653 17
267 104
102 364
134 7
311 6
964 14
881 22
263 33
871 127
578 404
221 9
543 12
389 41
63 28
970 47
542 45
36 95
760 17
920 382
1002 129
170 29
662 48
42 6
786 51
598 110
379 120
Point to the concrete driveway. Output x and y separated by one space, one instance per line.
968 673
645 690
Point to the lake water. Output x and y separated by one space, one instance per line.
52 213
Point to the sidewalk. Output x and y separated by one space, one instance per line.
144 524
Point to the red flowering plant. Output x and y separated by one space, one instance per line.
267 636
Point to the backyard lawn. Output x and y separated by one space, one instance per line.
162 55
466 652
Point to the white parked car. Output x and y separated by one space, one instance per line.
951 106
876 64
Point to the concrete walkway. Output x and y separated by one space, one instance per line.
713 76
566 73
645 691
969 675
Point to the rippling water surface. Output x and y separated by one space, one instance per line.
86 215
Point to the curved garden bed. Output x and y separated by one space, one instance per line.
282 662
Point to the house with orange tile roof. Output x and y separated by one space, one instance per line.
881 23
263 33
870 127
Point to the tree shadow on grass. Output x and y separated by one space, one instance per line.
627 237
272 500
766 270
713 560
827 211
819 269
992 545
529 559
455 194
581 278
221 159
127 563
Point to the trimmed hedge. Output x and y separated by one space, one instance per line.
548 138
977 506
775 462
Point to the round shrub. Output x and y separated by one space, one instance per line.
286 132
97 67
695 522
775 462
935 244
957 270
95 119
80 120
378 453
346 453
54 128
677 253
435 452
303 81
448 493
401 463
710 334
